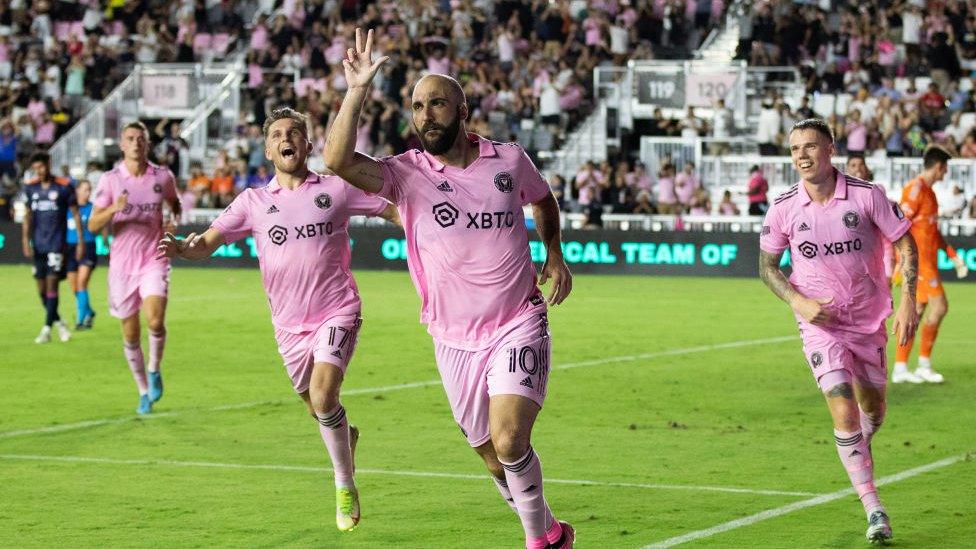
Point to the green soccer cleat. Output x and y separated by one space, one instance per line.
347 509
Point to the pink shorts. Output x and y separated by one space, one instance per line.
863 356
517 365
127 292
333 342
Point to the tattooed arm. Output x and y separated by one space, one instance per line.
812 310
906 318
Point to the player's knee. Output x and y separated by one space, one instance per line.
323 399
156 326
510 443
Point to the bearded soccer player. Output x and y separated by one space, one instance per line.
919 203
300 225
833 225
50 203
461 201
131 197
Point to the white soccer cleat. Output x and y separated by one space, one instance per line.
63 332
905 375
44 336
926 373
879 527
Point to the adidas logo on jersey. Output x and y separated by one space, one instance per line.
336 353
272 210
527 382
803 227
445 187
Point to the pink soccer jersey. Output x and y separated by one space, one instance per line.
302 241
467 245
139 227
836 249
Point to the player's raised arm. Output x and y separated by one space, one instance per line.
906 318
194 246
546 215
341 157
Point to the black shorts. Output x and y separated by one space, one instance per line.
90 259
50 264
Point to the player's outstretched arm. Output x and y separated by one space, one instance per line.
340 153
100 217
906 318
392 215
812 310
546 215
194 246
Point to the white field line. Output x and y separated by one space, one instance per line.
359 470
373 390
812 502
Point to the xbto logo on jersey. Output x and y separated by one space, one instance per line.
816 359
445 214
504 182
851 219
323 201
837 248
489 220
808 249
278 234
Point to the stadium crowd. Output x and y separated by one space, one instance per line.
526 65
890 77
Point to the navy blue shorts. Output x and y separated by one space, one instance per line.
90 259
50 264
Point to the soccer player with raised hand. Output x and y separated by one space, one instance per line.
461 201
299 222
834 226
131 197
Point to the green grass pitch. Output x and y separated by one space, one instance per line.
668 401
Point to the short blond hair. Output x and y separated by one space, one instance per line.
281 114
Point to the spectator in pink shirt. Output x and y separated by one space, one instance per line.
857 133
685 185
758 187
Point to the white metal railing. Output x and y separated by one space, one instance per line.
587 142
101 126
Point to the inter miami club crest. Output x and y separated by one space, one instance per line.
157 188
445 214
504 182
323 201
52 195
808 249
278 234
851 219
816 359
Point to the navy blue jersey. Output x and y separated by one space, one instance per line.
49 214
84 212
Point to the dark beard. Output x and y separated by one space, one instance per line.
444 143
